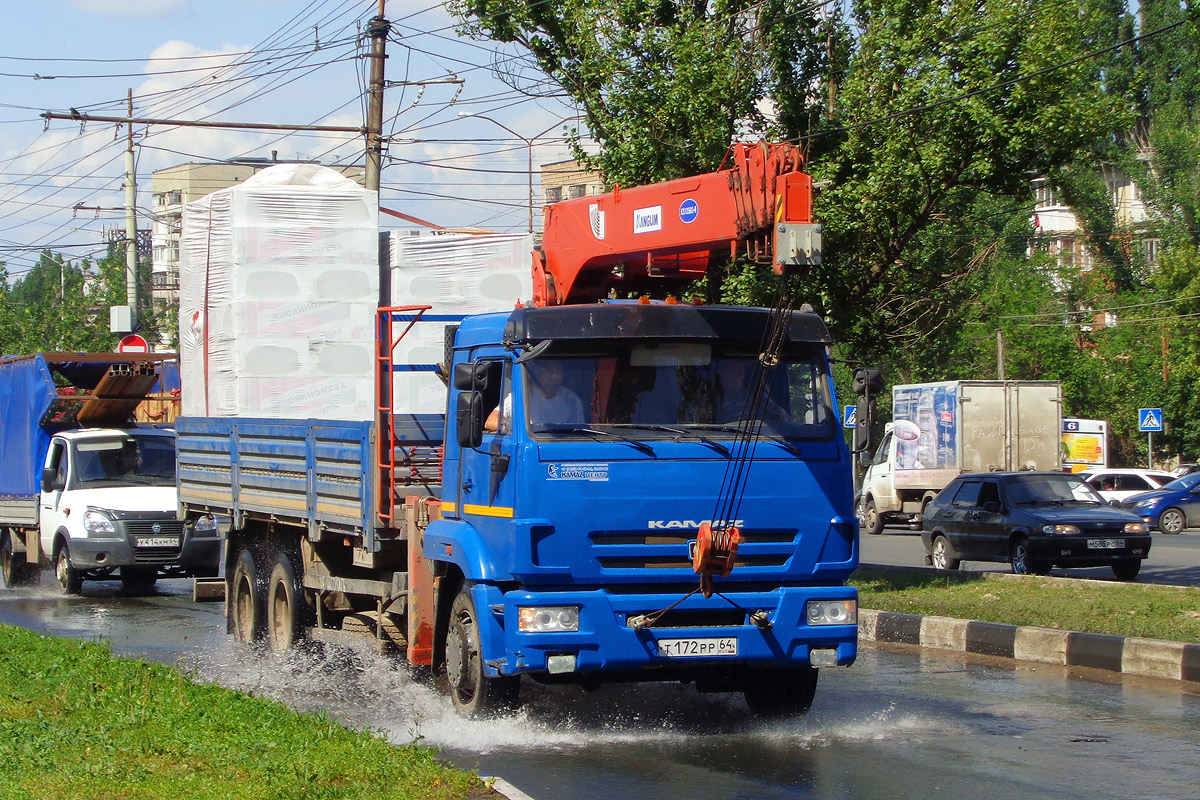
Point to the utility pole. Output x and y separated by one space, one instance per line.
131 287
377 29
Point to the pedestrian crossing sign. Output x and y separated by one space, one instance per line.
851 415
1150 420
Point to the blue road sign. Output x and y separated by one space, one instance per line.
851 415
1150 420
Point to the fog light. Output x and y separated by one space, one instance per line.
560 663
823 657
831 612
548 619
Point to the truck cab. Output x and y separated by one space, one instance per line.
571 527
108 503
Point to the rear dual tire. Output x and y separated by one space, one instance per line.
16 574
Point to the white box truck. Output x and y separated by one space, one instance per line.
941 430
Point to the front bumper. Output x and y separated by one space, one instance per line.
192 555
1073 551
606 643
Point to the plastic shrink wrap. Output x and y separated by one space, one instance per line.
457 275
278 283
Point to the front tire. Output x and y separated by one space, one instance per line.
1127 570
246 605
781 693
941 553
1172 520
1021 561
285 598
872 519
473 693
70 580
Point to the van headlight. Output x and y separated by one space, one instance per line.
547 619
96 522
831 612
205 525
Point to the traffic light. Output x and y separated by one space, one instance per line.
868 381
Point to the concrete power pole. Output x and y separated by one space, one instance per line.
131 287
377 29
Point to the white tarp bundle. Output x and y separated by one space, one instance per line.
457 275
278 286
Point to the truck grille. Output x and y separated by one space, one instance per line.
147 528
669 549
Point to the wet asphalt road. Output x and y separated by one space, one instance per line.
899 724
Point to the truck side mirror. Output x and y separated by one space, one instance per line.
864 420
471 375
469 418
49 479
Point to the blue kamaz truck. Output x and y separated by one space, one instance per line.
623 490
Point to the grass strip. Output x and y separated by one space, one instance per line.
76 721
1121 609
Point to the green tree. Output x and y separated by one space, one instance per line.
947 111
665 86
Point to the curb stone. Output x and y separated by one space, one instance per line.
1130 655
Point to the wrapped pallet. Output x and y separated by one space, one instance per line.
457 275
278 285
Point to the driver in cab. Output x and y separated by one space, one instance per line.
549 401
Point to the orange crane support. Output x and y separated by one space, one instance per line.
658 237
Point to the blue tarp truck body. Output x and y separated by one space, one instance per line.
82 486
558 550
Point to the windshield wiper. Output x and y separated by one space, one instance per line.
715 445
779 440
642 446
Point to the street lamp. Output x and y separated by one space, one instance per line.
528 146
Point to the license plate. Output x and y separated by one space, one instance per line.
1106 544
157 541
698 648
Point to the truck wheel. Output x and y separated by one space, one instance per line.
139 580
70 580
246 601
1128 569
284 605
1172 521
15 574
473 693
872 519
781 692
941 554
1021 562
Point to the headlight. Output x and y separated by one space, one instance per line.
205 525
95 522
1060 530
547 619
831 612
1136 527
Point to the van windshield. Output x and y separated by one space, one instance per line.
124 460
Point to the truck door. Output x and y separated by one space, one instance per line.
50 513
487 474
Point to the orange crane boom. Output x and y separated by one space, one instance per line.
661 236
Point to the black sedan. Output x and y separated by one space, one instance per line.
1034 521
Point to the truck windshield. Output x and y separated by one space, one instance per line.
125 460
676 390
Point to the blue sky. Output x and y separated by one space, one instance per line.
274 61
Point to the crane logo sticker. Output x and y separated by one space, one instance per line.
577 472
647 220
688 211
